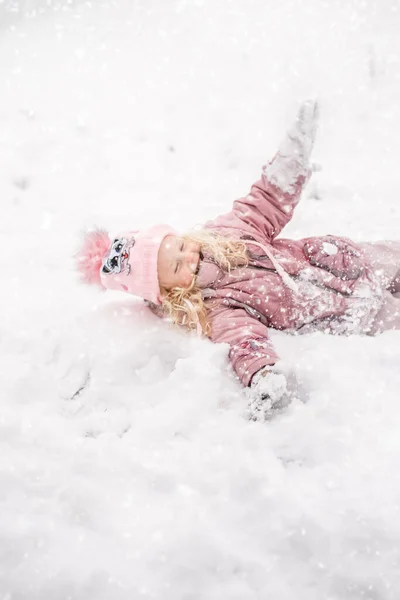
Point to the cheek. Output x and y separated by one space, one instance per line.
166 274
187 277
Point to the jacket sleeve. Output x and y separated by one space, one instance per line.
266 209
269 206
250 347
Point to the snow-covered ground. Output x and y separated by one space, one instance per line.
149 483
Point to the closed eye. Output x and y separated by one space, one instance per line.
177 264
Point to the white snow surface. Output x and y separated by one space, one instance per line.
149 482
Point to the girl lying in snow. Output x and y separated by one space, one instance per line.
235 278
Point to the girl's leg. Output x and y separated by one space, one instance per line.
389 315
385 259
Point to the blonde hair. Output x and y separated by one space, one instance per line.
186 306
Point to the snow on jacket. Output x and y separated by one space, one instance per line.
332 286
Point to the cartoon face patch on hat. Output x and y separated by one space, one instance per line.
116 260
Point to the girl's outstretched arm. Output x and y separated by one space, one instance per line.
269 205
250 347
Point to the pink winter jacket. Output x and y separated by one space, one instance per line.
327 282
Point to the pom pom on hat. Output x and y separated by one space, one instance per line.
89 257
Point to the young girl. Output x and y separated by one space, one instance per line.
235 278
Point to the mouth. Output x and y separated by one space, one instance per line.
197 266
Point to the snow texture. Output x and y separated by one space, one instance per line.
127 468
292 160
329 249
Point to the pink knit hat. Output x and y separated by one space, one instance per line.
127 262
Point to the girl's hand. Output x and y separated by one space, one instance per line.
292 160
268 390
307 119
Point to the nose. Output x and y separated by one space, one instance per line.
191 258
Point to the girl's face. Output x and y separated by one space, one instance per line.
177 262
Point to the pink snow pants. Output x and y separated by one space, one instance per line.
385 259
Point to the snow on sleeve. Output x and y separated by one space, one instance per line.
250 347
